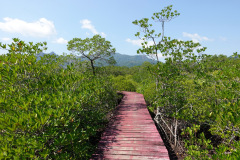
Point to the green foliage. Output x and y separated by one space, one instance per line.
116 71
150 93
95 48
202 92
165 45
48 112
192 90
124 83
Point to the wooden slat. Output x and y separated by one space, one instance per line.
133 134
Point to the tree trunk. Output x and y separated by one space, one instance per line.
175 133
93 68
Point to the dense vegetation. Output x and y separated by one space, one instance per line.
196 104
54 107
51 112
195 96
48 112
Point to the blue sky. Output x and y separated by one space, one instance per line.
213 23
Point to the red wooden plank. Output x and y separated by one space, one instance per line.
129 157
128 129
126 139
133 148
136 144
133 142
133 134
136 153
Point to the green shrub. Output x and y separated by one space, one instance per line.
124 83
48 112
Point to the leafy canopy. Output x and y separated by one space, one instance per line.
93 48
176 49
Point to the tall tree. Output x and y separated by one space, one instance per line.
150 34
95 48
180 55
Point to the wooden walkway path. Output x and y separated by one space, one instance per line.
132 134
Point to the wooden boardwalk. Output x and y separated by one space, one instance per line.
132 134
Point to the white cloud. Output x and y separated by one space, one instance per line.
5 39
196 38
150 43
160 56
139 42
86 24
40 28
103 34
61 41
135 42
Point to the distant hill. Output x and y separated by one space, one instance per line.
41 54
121 59
129 61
